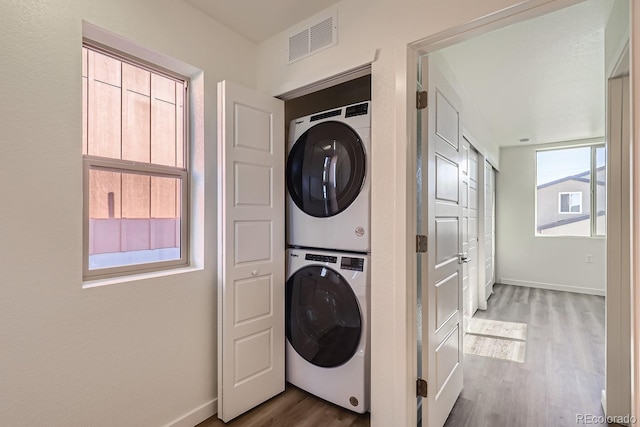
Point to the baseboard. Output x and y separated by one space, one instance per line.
196 416
553 287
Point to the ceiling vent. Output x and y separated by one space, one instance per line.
318 34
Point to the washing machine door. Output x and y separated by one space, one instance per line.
326 169
323 319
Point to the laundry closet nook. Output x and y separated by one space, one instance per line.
328 185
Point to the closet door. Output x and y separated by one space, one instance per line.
489 228
470 277
251 277
473 261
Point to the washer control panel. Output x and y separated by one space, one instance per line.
346 263
349 263
321 258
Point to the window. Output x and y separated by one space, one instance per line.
571 191
570 202
136 177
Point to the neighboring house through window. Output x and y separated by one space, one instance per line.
570 202
571 191
134 150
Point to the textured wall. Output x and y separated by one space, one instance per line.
140 353
524 259
378 32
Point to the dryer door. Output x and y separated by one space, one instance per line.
323 319
326 169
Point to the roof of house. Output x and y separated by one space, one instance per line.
577 177
566 221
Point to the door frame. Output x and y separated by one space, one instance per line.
634 78
408 68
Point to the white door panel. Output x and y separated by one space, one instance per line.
251 259
446 299
473 228
466 201
489 229
470 235
442 278
472 251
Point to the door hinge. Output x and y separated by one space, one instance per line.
421 388
421 243
421 100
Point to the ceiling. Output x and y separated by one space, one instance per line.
259 20
541 79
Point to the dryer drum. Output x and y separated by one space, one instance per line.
323 319
326 169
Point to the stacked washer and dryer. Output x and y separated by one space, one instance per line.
328 229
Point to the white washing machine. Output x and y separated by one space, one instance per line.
328 179
327 326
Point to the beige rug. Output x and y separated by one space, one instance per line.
493 338
498 329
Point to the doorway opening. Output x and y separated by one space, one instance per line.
574 267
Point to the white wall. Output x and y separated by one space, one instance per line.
616 35
141 353
524 259
472 119
380 31
144 353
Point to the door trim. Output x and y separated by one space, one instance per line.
634 79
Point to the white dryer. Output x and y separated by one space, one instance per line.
327 179
327 326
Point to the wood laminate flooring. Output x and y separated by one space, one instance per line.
294 408
562 374
563 371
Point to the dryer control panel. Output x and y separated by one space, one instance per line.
357 110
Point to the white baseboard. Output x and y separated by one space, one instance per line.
196 416
553 287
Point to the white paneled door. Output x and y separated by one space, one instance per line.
469 168
489 228
251 274
442 219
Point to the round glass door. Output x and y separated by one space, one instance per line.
326 169
323 322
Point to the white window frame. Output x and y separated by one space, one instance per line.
570 193
147 169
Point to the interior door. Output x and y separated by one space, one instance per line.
465 200
473 261
251 272
441 280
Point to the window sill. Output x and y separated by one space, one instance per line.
570 237
139 277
